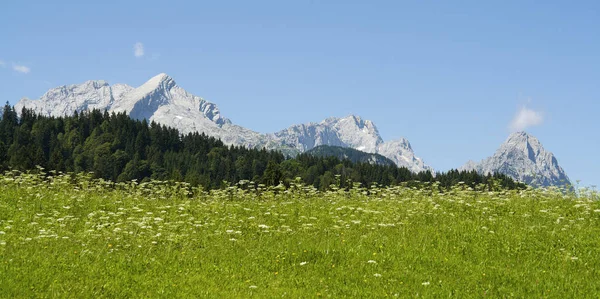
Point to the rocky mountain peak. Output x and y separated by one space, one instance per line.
160 81
94 84
522 139
523 157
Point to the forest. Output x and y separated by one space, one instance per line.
117 148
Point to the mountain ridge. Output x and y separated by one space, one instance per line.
160 99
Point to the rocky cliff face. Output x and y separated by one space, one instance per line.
523 158
160 99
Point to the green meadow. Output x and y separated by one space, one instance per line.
75 237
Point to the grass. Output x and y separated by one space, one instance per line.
64 237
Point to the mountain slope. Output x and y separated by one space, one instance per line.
160 99
351 154
523 158
352 132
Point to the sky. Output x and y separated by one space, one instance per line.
453 77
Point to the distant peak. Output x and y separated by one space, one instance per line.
401 141
94 83
161 80
522 137
162 76
519 134
359 121
355 117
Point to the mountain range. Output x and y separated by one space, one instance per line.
161 100
346 153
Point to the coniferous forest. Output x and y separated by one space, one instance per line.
117 148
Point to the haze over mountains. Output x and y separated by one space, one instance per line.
161 100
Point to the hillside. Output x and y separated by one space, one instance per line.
351 154
63 236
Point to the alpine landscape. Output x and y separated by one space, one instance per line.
255 168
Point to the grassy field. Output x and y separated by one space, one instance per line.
80 238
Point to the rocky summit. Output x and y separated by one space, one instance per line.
523 158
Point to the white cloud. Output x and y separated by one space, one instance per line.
526 118
21 69
138 49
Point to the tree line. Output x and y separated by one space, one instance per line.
117 148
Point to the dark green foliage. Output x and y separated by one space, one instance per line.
117 148
351 154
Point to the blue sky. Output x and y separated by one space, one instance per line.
450 75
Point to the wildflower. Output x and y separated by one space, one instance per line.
303 263
377 275
426 283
